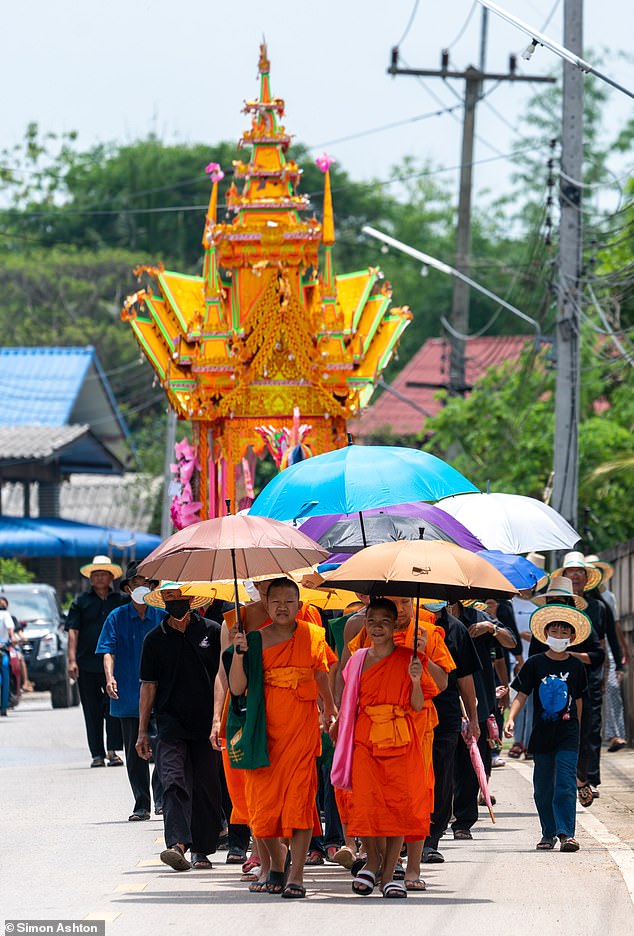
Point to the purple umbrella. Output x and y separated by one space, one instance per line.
341 534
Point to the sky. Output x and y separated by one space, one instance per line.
122 69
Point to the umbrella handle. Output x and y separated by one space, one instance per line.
235 595
416 621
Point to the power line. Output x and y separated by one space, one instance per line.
410 22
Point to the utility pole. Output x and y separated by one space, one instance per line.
474 79
170 439
566 447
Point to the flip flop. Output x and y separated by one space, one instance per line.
257 887
138 817
175 858
415 884
250 864
294 891
315 858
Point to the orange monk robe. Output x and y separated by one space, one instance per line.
281 798
427 719
234 777
387 797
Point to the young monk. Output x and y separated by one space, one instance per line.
281 797
386 685
430 642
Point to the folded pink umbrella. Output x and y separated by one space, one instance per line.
478 765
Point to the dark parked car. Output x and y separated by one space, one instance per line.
45 640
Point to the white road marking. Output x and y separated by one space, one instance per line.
620 853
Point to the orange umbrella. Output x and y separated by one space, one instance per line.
224 591
411 568
408 568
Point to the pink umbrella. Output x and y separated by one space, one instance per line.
477 764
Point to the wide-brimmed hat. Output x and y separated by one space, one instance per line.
475 604
156 600
604 567
542 617
101 564
560 587
576 560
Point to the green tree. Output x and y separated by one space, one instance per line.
13 572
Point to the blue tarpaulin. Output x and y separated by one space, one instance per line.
40 537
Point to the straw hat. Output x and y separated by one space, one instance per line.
560 587
542 617
156 600
476 605
576 560
537 559
605 568
101 564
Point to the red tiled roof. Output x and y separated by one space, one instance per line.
430 366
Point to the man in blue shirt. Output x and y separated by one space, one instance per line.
121 642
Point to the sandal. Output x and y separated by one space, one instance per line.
138 817
568 844
358 864
394 889
275 882
114 760
294 891
415 884
399 872
235 856
585 795
546 843
250 864
257 887
343 856
462 835
315 858
517 750
201 861
250 876
364 882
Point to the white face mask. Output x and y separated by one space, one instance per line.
558 644
139 593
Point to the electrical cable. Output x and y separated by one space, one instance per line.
410 23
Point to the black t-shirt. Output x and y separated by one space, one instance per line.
86 615
488 649
184 667
460 646
556 685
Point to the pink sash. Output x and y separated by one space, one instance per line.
341 773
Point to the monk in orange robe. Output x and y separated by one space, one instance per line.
387 799
281 797
254 616
430 642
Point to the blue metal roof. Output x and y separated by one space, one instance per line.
39 386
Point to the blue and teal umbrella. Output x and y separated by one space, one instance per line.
358 478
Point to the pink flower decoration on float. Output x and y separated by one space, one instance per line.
324 162
214 170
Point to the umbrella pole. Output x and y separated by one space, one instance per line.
416 619
363 536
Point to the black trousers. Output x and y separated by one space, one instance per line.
466 786
589 764
96 708
139 769
192 798
444 752
238 835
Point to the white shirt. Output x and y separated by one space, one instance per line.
6 626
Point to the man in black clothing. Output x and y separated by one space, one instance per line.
488 638
460 684
179 663
84 623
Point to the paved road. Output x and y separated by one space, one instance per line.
70 853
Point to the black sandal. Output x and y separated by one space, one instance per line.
275 882
546 843
294 891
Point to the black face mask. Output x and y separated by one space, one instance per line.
177 608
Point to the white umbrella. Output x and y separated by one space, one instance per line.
510 522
